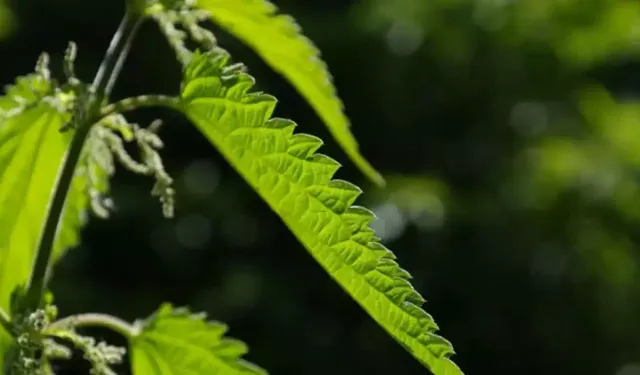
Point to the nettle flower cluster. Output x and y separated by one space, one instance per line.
74 139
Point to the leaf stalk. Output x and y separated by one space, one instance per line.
142 101
113 323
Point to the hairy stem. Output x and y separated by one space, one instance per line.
113 323
143 101
102 84
45 248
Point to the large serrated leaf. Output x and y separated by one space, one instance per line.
278 39
297 184
176 342
32 150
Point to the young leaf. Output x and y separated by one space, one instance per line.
31 154
175 342
297 184
278 39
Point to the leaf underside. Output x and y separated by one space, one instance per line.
31 155
278 39
176 342
297 184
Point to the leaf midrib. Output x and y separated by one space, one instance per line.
334 253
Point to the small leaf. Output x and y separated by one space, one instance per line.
298 185
31 155
278 39
176 342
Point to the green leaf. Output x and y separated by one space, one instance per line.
297 184
176 342
278 39
31 155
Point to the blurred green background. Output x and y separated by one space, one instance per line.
509 131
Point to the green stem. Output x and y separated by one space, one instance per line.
143 101
116 54
45 248
107 73
113 323
5 322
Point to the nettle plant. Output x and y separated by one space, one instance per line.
61 140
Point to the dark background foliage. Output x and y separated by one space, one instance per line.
509 132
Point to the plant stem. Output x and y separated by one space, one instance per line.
113 323
5 322
116 54
136 102
102 84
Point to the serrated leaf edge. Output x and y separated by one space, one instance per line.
207 71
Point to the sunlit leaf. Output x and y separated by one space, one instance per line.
176 342
278 39
297 184
32 150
